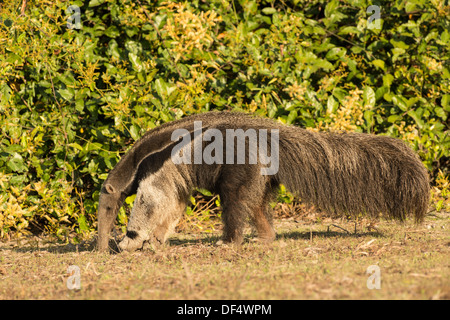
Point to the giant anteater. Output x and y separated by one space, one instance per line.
341 173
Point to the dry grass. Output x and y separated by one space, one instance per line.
311 259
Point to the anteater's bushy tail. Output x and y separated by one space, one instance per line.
351 173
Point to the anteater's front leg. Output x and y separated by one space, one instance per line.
163 230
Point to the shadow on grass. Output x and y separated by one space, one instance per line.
307 235
301 235
210 240
56 247
207 240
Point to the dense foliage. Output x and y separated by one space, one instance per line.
74 95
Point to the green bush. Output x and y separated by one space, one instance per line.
73 100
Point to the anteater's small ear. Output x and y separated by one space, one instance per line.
109 188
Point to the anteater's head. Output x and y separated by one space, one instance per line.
108 209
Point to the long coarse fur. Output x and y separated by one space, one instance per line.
341 173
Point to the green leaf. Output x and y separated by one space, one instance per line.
410 6
332 105
82 223
400 102
95 3
67 94
397 52
441 113
387 96
324 64
79 105
445 36
379 64
413 114
75 146
399 44
14 58
368 116
16 163
112 32
387 80
204 192
369 97
380 92
394 118
340 94
291 117
335 53
331 8
161 87
135 61
269 10
113 49
134 131
160 20
349 30
445 102
5 91
129 200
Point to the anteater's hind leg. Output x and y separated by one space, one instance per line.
261 214
261 218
